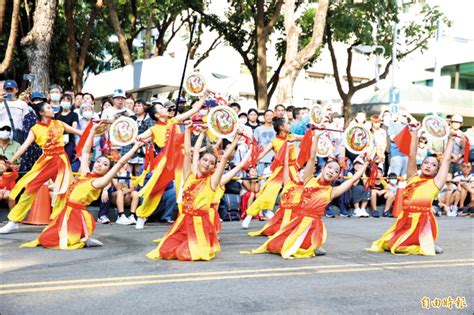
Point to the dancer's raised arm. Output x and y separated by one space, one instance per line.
216 176
310 165
440 178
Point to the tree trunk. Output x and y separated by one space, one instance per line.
127 57
149 25
7 60
3 6
37 43
296 60
77 65
347 108
260 41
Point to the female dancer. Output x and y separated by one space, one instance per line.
416 229
159 134
269 192
52 164
193 236
73 227
303 235
290 197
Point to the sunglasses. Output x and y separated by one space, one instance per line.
171 109
5 128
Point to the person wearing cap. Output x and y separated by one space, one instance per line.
119 98
459 143
8 147
159 134
13 110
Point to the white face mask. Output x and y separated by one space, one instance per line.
242 121
5 134
203 112
393 182
55 97
87 115
66 105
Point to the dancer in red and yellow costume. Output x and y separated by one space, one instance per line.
290 198
306 233
227 177
415 230
268 194
165 168
73 227
193 235
53 164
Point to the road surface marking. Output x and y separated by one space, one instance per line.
223 275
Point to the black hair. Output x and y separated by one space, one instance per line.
92 96
112 163
78 93
208 150
65 96
153 110
278 123
38 108
296 111
268 110
235 105
392 176
140 101
5 159
290 108
252 110
243 114
280 105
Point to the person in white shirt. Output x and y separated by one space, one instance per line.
18 109
465 183
119 108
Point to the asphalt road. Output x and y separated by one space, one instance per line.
118 279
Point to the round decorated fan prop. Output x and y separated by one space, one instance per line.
317 114
195 84
222 121
123 131
325 147
436 127
357 139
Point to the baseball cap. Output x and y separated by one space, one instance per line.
181 100
457 118
119 93
10 84
359 160
169 104
36 96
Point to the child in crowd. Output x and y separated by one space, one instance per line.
381 193
8 177
251 187
448 197
360 195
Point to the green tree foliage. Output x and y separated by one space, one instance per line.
370 22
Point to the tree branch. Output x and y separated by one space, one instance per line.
7 60
334 63
373 81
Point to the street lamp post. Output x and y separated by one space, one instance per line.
367 49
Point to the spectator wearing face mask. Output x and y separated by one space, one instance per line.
13 110
8 147
55 94
70 118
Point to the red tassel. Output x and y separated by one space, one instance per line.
403 141
253 155
83 139
305 148
370 183
279 158
467 148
